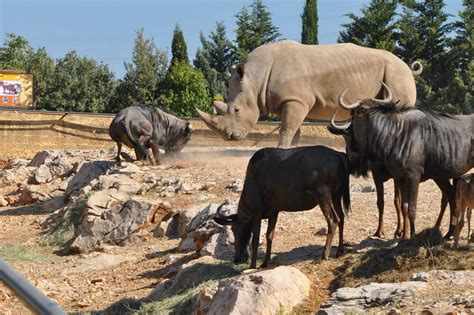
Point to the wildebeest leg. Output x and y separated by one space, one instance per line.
292 115
444 204
468 217
449 192
296 138
270 233
332 221
460 208
380 203
119 150
397 200
413 191
138 155
404 198
256 224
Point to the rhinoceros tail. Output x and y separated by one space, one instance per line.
134 141
416 68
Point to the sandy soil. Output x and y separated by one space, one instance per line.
296 242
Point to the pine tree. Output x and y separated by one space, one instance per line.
254 29
142 77
309 18
215 58
179 49
375 28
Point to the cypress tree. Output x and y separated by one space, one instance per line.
309 18
179 49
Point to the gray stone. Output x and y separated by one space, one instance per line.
86 173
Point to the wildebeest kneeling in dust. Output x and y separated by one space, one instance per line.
144 127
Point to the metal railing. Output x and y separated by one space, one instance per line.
27 292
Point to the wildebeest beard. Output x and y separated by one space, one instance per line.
358 163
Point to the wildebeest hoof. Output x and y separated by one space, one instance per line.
448 236
264 265
379 234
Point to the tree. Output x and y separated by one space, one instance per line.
254 29
183 89
15 52
143 74
309 18
79 84
215 58
179 49
375 28
43 68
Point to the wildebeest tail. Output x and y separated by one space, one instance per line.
346 195
135 142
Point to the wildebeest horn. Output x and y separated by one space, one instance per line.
344 105
386 100
221 107
339 127
222 219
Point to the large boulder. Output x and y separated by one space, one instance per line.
269 291
121 224
87 172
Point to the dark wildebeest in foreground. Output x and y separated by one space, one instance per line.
380 175
143 127
464 201
295 179
412 145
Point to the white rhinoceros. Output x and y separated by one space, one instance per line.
299 81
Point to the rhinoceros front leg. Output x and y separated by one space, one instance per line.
292 116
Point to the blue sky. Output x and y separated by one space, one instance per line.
105 29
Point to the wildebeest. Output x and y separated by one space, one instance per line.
143 127
380 175
413 145
464 201
298 81
294 179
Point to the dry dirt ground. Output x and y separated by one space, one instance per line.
296 240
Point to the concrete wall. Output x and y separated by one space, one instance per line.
23 133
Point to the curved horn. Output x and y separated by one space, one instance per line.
339 127
386 100
220 107
224 220
416 68
208 119
344 105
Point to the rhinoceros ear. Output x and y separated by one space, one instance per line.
239 69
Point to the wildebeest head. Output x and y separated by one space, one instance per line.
235 118
356 132
242 233
179 139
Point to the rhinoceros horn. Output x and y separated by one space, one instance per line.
339 127
347 106
211 121
221 107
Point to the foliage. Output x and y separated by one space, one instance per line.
15 53
215 58
254 28
183 89
375 28
143 74
309 18
78 84
179 50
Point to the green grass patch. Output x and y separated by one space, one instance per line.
426 251
63 231
178 298
14 252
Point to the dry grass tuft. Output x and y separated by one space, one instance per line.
426 251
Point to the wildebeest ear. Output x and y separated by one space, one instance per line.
226 220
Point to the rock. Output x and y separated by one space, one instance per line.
102 200
86 173
367 189
321 232
268 291
96 261
219 245
118 225
40 158
236 186
30 195
3 202
42 175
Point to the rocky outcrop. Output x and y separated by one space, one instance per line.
271 291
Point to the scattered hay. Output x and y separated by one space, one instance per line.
426 251
63 231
